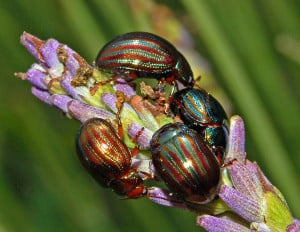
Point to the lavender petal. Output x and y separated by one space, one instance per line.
42 95
164 197
48 51
236 141
247 208
214 224
32 44
145 137
83 112
75 92
37 77
123 86
128 114
245 180
61 102
72 63
110 100
265 183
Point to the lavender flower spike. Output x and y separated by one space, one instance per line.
247 200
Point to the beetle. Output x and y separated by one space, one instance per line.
185 163
107 159
143 54
203 113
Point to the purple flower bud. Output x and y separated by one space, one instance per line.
72 64
48 51
83 112
110 100
33 45
61 102
236 142
247 208
215 224
122 85
37 77
145 136
42 95
166 198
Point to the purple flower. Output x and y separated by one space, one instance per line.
247 201
257 204
62 78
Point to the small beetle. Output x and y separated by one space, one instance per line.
185 163
203 113
142 54
107 158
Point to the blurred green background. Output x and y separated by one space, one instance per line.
253 51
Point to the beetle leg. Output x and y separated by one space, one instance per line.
138 192
121 98
136 149
219 153
130 185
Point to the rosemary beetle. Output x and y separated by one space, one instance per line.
202 112
107 159
142 54
185 163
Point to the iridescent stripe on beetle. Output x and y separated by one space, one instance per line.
98 141
142 54
185 163
201 111
107 158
